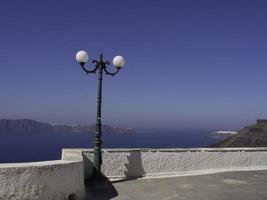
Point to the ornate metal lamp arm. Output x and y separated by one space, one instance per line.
111 73
86 70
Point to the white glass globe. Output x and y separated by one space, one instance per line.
82 56
118 61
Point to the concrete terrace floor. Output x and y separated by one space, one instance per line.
246 185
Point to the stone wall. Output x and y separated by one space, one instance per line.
126 163
49 180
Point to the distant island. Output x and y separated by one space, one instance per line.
29 125
250 136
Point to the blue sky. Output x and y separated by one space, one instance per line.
189 63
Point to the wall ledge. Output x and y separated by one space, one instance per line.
148 162
49 180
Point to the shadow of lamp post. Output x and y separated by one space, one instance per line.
100 66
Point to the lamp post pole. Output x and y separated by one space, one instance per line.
98 141
100 65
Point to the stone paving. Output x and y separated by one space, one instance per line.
246 185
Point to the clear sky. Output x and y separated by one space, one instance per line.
189 63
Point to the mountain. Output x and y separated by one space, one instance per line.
29 125
23 125
250 136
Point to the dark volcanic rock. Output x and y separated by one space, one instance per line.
28 125
23 125
250 136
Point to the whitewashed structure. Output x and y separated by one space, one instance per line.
64 179
49 180
126 163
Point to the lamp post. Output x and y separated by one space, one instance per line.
100 66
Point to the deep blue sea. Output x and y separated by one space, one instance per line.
25 147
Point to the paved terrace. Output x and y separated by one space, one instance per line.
244 185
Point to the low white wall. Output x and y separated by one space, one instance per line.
80 154
121 163
49 180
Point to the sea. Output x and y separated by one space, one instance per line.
28 147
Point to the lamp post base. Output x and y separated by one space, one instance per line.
98 180
99 187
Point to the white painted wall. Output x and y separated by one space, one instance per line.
57 180
121 163
49 180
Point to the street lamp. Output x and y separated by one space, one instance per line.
100 65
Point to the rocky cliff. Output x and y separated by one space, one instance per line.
28 125
23 125
250 136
